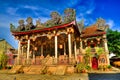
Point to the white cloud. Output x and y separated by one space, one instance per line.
89 11
11 11
31 7
110 23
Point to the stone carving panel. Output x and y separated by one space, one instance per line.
69 15
21 26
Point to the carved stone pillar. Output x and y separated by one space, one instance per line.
75 50
106 50
19 50
41 50
22 51
69 45
81 45
106 46
28 51
56 48
64 49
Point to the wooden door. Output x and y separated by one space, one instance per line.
94 63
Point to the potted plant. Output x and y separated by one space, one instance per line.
88 68
99 50
87 56
80 67
109 67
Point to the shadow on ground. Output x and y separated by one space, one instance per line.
104 76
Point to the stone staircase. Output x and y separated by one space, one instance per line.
34 69
16 69
43 69
46 67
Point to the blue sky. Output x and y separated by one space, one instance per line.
89 10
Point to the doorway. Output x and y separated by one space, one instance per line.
94 63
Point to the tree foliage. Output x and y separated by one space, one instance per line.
3 60
114 41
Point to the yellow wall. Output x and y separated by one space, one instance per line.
4 46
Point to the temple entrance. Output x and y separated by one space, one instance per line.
94 63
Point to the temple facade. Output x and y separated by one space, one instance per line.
61 40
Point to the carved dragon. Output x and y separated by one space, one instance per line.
70 15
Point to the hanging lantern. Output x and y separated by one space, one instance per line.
60 46
104 36
98 39
26 36
35 48
72 30
34 38
91 41
49 36
85 40
16 37
54 32
77 39
80 39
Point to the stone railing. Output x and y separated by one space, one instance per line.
48 60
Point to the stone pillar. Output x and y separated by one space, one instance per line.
106 50
64 49
41 50
75 50
28 51
81 45
106 46
56 48
22 50
69 45
19 50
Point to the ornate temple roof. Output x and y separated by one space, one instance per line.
57 22
37 30
92 31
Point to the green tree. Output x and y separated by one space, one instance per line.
113 38
3 60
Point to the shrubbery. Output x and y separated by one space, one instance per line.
3 60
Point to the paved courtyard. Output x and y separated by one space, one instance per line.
113 75
104 76
42 77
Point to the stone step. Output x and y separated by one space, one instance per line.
35 69
51 69
15 69
61 69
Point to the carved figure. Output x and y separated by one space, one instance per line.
12 27
21 26
48 23
101 24
81 25
38 24
69 15
29 24
56 18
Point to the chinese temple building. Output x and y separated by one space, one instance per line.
61 40
4 46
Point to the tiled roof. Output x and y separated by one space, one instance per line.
92 31
42 29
